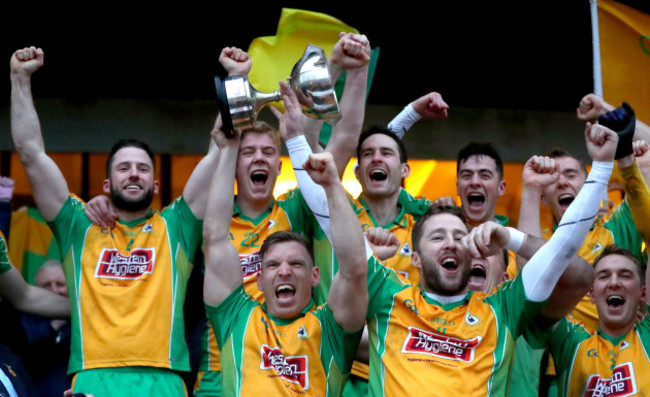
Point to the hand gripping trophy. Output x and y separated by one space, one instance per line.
239 102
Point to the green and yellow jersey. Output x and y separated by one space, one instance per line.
288 212
418 345
127 286
410 210
262 355
618 227
595 364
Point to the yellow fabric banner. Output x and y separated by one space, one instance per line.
274 56
625 56
31 242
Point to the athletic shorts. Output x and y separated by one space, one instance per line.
355 387
129 381
208 384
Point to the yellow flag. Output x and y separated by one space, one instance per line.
625 56
274 56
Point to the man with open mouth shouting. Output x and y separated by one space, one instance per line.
288 345
257 214
619 226
611 361
126 281
429 337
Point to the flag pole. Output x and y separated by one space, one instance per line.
598 78
595 40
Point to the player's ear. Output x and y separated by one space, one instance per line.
502 188
315 274
416 260
106 186
406 170
643 295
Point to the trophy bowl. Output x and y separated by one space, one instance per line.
239 102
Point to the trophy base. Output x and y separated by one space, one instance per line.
224 109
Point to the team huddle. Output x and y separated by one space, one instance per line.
319 293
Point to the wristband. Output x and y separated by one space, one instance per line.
404 120
516 240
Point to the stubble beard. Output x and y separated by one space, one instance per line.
121 202
433 276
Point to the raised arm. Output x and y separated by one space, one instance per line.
291 129
430 106
348 295
195 193
352 54
592 106
236 62
623 121
539 172
642 156
542 272
490 237
48 185
544 269
356 54
222 266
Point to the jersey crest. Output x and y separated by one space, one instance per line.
471 320
621 384
112 264
406 250
597 248
432 344
294 369
302 332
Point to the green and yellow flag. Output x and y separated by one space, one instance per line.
625 56
31 242
274 56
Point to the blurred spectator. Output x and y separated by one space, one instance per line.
47 351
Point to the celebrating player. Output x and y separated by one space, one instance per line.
288 345
126 285
430 337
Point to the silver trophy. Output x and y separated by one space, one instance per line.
239 102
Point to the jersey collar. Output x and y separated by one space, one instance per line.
611 339
285 321
399 219
138 221
237 212
447 306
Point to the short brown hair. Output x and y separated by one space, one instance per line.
283 237
559 152
260 127
418 228
614 249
